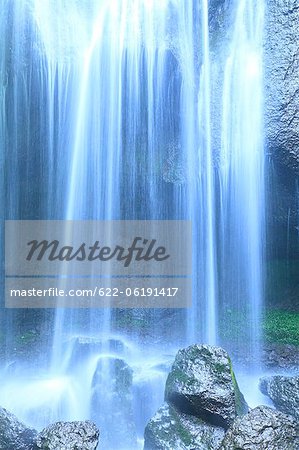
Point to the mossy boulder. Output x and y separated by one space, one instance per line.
262 428
171 430
202 384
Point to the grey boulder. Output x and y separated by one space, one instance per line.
202 383
284 392
14 435
171 430
68 436
263 428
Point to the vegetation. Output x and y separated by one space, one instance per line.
281 327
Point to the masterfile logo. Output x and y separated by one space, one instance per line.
140 249
147 258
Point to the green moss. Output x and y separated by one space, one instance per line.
278 326
241 405
281 327
183 433
170 428
27 338
220 368
175 376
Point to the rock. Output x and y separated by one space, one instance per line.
281 92
171 430
202 383
282 356
281 81
263 428
68 436
284 392
112 403
81 348
14 435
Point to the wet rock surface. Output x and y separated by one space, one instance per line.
202 400
281 356
14 435
281 100
68 436
202 383
284 392
281 81
263 428
201 389
171 430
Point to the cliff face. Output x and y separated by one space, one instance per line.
281 72
281 89
282 82
281 118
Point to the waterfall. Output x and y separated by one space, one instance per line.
241 175
137 109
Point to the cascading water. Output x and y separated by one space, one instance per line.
124 110
241 177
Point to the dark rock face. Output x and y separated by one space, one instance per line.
202 383
281 356
171 430
284 392
262 429
68 436
14 435
281 90
281 81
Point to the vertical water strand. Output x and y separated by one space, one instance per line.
150 56
56 44
80 156
18 151
256 127
55 78
144 78
131 111
241 174
209 219
3 93
184 49
93 144
144 87
60 40
15 94
3 137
